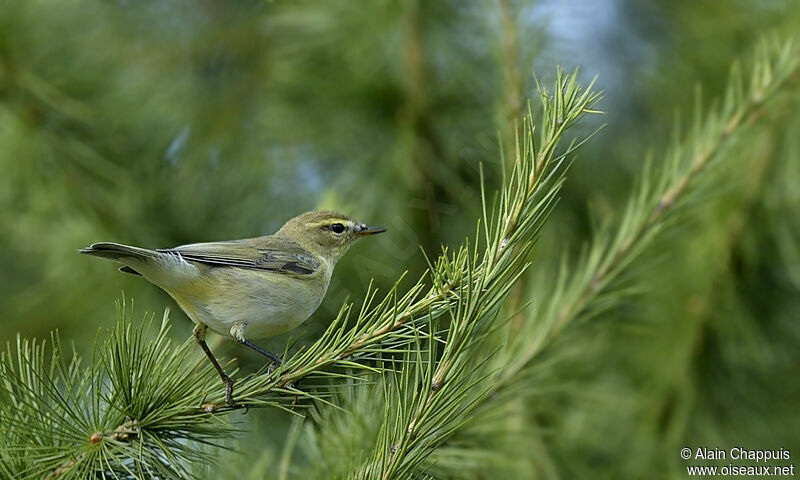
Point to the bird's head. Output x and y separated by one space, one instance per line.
324 233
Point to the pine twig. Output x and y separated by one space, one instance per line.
659 199
149 394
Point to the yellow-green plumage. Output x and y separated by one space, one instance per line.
249 288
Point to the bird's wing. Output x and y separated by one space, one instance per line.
276 254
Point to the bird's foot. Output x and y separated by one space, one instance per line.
229 392
272 367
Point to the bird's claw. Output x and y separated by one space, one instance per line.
229 393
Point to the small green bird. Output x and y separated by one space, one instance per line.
250 288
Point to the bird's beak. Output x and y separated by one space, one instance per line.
365 230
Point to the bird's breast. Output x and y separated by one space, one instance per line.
268 303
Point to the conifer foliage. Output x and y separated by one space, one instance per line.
503 353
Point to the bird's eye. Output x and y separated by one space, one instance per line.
337 228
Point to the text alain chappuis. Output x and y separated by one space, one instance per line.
743 462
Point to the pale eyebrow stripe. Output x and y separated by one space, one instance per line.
328 223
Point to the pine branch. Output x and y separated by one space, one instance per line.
429 418
524 203
430 398
658 201
134 410
69 420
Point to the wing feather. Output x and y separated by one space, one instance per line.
276 254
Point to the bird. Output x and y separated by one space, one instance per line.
249 288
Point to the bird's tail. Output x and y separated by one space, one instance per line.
116 251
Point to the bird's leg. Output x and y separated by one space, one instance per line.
237 332
200 337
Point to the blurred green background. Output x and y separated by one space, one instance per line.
167 122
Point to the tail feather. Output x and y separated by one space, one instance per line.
115 251
166 270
